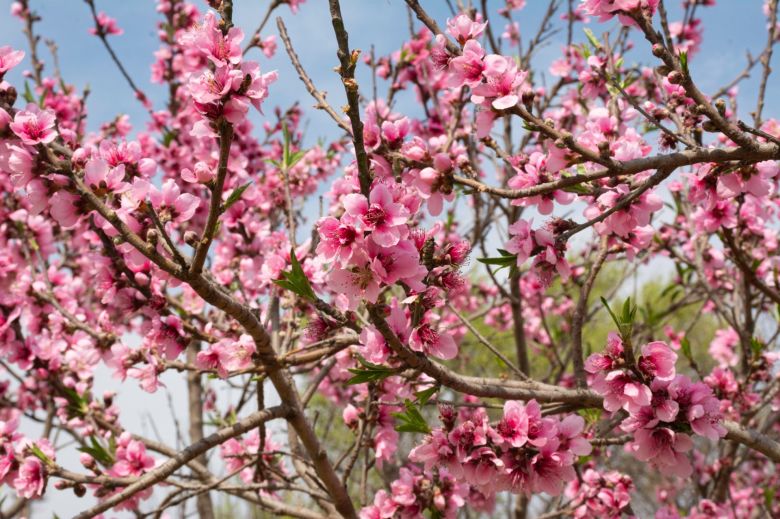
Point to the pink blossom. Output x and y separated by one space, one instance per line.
131 456
722 347
665 449
522 241
698 406
100 178
268 45
606 9
621 390
463 28
398 263
513 427
65 208
209 40
502 81
31 479
34 126
380 215
9 58
429 341
171 203
105 26
467 68
657 360
228 355
202 174
337 240
355 282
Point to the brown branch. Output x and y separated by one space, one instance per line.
766 60
194 450
582 308
349 60
215 206
624 202
322 103
672 160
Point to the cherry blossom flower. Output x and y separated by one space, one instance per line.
106 26
379 215
426 339
9 58
34 126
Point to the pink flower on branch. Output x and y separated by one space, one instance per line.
34 126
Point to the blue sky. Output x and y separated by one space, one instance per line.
732 28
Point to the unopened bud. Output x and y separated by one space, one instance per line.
660 113
80 490
709 126
604 151
663 70
191 238
720 104
528 98
152 236
675 77
87 461
658 50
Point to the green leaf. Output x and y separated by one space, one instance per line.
38 453
685 345
77 405
611 313
369 373
168 138
289 159
28 95
505 260
235 196
629 312
411 420
577 188
296 157
625 323
769 497
591 416
684 62
425 395
592 38
98 452
295 280
756 347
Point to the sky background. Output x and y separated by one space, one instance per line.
731 28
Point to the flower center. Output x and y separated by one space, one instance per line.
375 215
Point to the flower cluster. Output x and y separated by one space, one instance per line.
549 253
600 494
663 407
226 89
414 493
523 453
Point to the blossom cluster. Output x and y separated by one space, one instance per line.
663 408
524 453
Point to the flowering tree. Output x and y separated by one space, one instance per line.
435 340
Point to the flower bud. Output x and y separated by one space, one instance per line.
720 104
191 238
709 126
152 236
675 77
